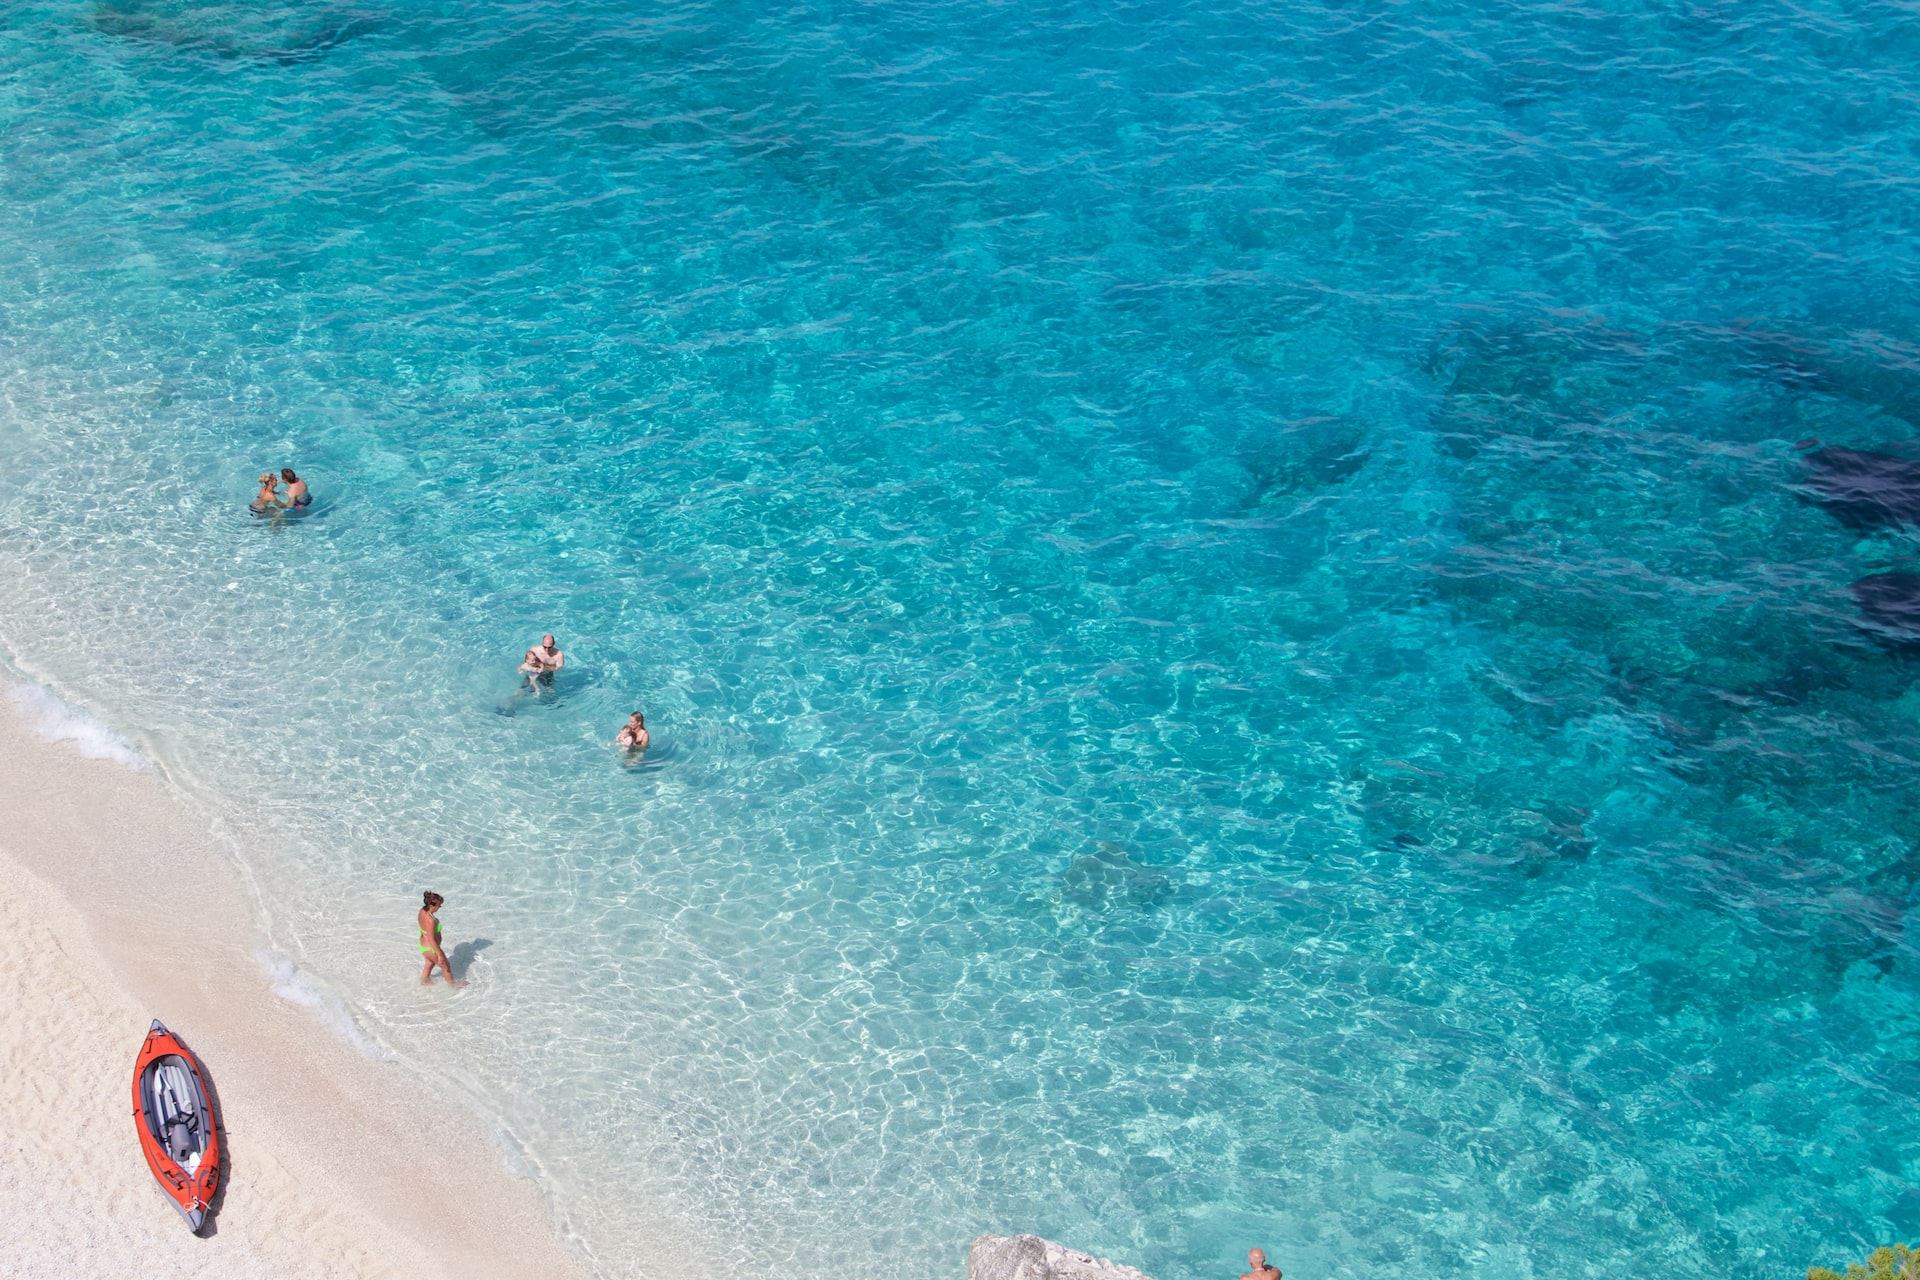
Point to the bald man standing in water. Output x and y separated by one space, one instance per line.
542 661
1257 1268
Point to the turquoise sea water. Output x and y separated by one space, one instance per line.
1235 646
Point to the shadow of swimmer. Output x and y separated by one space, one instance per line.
461 958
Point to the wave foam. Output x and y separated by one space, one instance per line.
296 987
55 721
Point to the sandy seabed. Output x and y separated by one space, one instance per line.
117 907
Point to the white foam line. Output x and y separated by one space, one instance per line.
55 721
296 987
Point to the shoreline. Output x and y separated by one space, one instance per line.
117 906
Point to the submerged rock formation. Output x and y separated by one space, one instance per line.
1031 1258
1108 879
1890 602
1865 490
227 32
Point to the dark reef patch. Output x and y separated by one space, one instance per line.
1108 879
228 34
1866 367
1890 602
1865 490
1310 455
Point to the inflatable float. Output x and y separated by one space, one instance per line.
172 1111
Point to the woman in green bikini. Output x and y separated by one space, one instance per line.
430 902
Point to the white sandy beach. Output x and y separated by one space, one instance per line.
116 907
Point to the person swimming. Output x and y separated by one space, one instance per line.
542 661
633 734
430 903
1258 1268
299 497
267 501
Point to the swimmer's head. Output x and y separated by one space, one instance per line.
547 640
638 719
286 473
266 477
429 900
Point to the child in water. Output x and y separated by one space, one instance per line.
633 734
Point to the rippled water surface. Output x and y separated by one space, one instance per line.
1237 642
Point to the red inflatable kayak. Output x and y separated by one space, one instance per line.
172 1111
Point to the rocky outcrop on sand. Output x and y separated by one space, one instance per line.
1031 1258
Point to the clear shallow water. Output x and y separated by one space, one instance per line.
1234 649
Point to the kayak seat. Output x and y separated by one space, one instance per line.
179 1121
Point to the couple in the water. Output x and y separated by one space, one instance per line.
268 501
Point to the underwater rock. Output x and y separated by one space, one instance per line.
1873 371
318 43
1864 490
220 31
1315 453
1890 602
1108 878
1032 1258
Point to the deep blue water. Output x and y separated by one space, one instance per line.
1237 648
